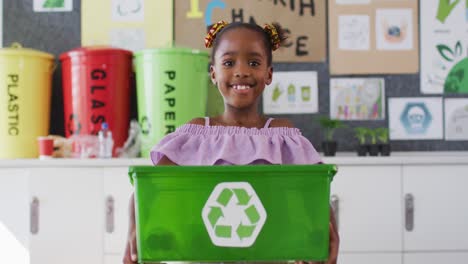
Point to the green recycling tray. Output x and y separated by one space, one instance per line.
232 213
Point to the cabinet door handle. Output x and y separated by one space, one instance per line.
110 214
34 216
335 204
409 212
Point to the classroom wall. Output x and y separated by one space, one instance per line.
60 31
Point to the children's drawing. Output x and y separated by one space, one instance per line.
128 10
456 118
353 32
415 118
357 99
394 29
291 93
52 5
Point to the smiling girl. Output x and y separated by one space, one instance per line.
241 67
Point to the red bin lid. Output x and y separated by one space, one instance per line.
93 51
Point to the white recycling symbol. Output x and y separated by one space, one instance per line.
233 215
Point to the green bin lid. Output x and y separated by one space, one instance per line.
170 51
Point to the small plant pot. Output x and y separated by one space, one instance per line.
373 150
384 149
362 149
329 148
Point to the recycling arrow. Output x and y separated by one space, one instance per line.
224 197
244 231
214 215
252 214
242 196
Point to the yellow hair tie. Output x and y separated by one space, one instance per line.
274 36
215 29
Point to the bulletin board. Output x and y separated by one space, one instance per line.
304 20
373 37
132 25
58 32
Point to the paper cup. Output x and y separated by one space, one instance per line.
46 147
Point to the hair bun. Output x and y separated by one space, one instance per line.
274 36
215 29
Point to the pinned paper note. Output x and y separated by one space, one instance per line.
415 118
394 29
357 99
291 93
353 32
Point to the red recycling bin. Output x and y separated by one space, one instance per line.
97 89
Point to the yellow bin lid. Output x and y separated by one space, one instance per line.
16 49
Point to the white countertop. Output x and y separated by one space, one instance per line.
401 158
342 158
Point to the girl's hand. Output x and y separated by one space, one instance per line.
334 244
130 255
334 240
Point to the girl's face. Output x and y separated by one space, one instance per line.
240 68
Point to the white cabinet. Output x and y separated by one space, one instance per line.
64 211
113 259
76 211
369 209
436 258
67 215
440 207
370 258
377 225
14 216
117 191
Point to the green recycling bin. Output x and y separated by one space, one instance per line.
232 213
172 88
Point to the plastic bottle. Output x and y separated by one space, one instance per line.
106 143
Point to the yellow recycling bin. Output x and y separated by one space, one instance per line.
26 75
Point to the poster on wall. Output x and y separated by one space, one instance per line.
456 118
444 47
52 5
305 43
373 37
291 93
129 24
416 118
357 98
